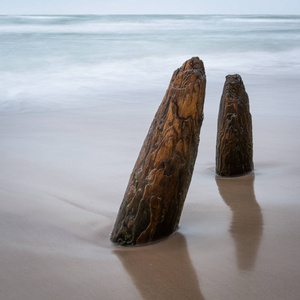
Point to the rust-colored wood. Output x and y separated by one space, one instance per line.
158 185
234 151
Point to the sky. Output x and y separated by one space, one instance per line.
149 7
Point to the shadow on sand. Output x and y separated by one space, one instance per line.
163 270
247 220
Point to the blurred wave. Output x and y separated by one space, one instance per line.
63 60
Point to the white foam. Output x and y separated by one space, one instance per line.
262 20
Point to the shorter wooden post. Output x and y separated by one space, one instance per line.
234 151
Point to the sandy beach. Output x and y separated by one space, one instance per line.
63 175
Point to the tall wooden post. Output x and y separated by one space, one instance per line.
160 179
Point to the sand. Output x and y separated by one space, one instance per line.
63 175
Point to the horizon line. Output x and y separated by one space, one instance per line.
154 14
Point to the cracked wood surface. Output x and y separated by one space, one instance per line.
158 185
234 150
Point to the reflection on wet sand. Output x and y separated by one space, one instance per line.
163 270
247 220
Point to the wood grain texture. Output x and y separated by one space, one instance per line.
234 150
158 185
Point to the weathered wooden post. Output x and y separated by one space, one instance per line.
158 185
234 151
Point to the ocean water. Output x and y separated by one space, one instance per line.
72 61
77 96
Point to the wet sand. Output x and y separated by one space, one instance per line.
63 175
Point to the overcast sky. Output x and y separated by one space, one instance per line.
149 7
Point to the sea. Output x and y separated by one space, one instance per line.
54 62
77 96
